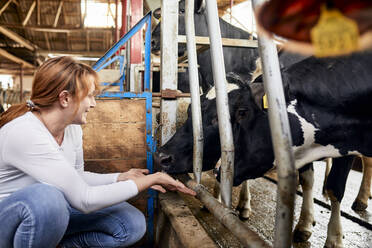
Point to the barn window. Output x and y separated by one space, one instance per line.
99 14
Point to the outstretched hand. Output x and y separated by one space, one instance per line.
158 181
171 184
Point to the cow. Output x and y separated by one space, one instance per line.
237 59
327 104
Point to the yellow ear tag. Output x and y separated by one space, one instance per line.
265 103
334 34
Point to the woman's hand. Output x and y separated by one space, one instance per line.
132 174
169 183
157 181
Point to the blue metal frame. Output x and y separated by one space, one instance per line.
147 95
122 73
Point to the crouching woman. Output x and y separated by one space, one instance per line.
46 197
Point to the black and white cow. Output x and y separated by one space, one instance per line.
327 104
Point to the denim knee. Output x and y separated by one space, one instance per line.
49 206
134 228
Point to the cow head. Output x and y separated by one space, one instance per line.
201 28
176 155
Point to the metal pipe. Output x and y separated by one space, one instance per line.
224 124
225 215
282 140
197 128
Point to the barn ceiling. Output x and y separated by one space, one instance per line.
32 29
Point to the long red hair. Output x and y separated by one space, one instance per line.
52 77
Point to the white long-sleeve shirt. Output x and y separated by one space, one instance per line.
30 154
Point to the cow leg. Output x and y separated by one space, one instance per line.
361 202
244 205
336 188
327 170
304 226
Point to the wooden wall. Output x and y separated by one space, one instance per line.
114 139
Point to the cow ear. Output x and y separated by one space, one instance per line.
157 13
199 6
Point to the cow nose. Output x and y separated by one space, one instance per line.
162 161
165 159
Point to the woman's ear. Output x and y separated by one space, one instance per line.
64 99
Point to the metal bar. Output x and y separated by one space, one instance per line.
149 151
282 141
226 216
123 40
29 13
197 126
58 13
224 124
168 60
147 56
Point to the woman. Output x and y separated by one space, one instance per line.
46 198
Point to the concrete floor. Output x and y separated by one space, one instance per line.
357 227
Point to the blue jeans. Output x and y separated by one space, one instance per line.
38 216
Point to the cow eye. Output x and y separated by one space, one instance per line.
241 113
157 13
182 11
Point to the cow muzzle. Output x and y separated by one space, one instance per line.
163 161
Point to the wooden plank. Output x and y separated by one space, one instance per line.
5 6
58 13
13 58
17 38
116 130
201 40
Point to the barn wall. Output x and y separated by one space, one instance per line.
114 139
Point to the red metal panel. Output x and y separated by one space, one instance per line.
136 41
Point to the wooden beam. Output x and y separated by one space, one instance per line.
29 13
17 38
61 29
88 41
16 71
5 6
15 59
58 13
200 40
72 53
38 11
47 41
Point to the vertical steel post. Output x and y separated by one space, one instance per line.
282 140
224 124
197 127
168 62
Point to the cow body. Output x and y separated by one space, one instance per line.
327 104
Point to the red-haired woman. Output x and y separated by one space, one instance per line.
46 197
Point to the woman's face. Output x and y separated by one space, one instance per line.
86 104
